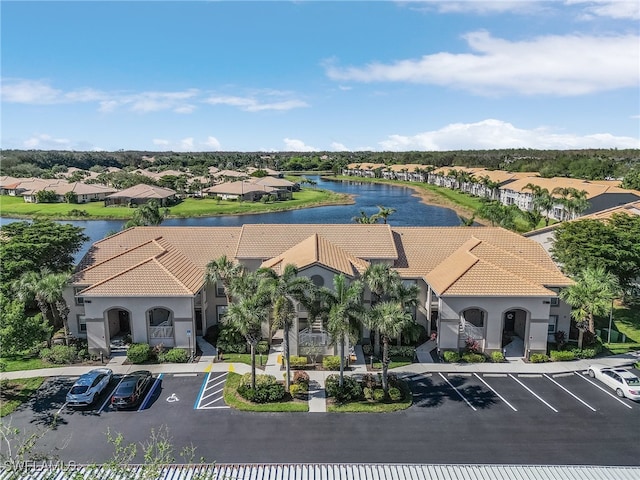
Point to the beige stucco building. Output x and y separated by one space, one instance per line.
482 283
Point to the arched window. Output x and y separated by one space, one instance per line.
317 280
474 316
160 317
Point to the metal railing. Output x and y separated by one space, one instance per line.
306 337
161 332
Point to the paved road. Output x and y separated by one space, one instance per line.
518 418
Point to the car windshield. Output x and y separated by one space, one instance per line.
126 388
633 381
78 389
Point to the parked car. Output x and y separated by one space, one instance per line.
131 389
625 383
88 387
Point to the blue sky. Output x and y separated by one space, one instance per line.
320 76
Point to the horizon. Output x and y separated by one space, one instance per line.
320 77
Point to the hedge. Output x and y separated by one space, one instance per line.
138 352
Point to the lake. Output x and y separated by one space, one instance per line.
410 211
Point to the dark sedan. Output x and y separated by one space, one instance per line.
131 389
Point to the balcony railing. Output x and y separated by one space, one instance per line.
165 331
306 337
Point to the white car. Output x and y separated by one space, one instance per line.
625 383
88 387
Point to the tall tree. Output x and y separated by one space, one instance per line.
18 331
390 319
32 246
284 289
380 278
591 294
223 270
345 310
247 312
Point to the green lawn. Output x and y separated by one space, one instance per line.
625 320
395 363
234 400
14 393
243 358
189 207
14 363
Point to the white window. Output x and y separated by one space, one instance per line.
219 290
79 300
82 323
555 301
220 311
553 324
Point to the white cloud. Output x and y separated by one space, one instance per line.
212 142
553 65
186 144
294 145
339 147
483 7
47 142
251 104
496 134
617 9
161 142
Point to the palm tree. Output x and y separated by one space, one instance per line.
147 214
344 305
384 213
590 295
224 271
283 290
250 308
46 287
380 278
365 219
389 318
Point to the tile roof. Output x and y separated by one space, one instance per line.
264 241
144 191
317 249
453 260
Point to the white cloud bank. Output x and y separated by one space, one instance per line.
496 134
549 65
294 145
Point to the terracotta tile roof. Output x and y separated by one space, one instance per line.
458 261
144 191
239 188
362 241
593 188
317 249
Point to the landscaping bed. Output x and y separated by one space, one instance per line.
14 393
237 401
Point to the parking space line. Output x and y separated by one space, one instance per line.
604 390
108 399
499 396
143 405
61 408
570 393
204 383
533 393
457 391
206 387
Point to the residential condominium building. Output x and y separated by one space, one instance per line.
482 283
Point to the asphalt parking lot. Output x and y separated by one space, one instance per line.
455 418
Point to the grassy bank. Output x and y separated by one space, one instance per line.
14 393
15 207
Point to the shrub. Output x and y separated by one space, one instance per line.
297 361
378 394
370 380
497 357
471 345
408 352
298 389
261 379
262 347
562 356
395 394
176 355
584 353
367 349
331 362
561 339
158 352
301 377
351 389
538 358
59 354
451 357
473 358
138 352
231 347
263 393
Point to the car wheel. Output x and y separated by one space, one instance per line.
619 392
592 374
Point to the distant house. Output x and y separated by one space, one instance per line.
28 189
141 193
275 182
244 190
